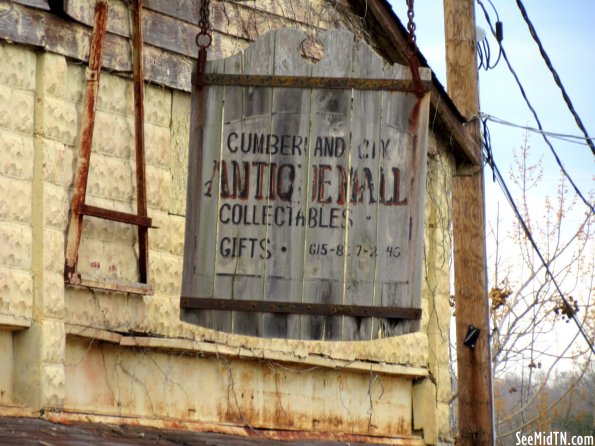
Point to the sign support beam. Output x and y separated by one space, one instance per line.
473 358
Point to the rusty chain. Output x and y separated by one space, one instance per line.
411 39
412 49
203 40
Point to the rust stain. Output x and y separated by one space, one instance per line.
414 116
139 118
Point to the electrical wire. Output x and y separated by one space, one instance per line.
557 79
484 51
489 159
574 139
535 116
497 177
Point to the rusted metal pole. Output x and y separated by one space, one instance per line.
139 127
86 141
473 356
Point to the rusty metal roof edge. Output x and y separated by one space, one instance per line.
216 349
68 416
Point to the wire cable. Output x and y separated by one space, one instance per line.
574 139
489 159
557 79
536 117
484 51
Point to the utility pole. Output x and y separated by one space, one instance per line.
475 399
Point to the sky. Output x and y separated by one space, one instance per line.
567 33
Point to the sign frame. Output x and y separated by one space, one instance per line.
197 308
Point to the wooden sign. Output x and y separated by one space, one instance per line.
305 202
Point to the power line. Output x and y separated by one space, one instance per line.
557 79
500 180
574 139
535 116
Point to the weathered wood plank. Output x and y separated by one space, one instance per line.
367 159
418 195
169 28
320 12
402 246
186 10
202 193
290 122
330 117
256 120
225 259
24 25
159 30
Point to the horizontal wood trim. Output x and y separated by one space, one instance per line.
118 286
109 214
259 306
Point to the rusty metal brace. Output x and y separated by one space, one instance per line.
78 207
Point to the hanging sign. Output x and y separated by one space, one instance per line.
306 192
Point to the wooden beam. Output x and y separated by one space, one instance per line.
139 137
473 362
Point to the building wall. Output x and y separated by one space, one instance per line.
74 351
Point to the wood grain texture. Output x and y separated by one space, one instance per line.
471 302
330 117
365 156
290 116
198 279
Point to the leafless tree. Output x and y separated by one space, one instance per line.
533 337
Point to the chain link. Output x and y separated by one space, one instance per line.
204 38
411 39
412 47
